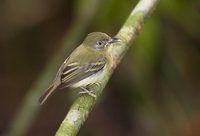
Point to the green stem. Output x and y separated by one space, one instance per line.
82 106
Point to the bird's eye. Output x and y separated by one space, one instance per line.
99 43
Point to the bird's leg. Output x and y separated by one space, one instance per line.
89 92
97 84
86 91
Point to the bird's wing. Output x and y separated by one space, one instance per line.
75 72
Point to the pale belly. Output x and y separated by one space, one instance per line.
95 78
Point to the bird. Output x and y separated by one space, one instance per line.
85 66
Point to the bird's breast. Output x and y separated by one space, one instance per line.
95 78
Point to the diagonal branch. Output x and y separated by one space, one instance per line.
82 106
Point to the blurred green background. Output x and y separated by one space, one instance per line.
154 92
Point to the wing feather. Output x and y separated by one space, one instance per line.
75 73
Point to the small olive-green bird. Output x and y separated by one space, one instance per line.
86 65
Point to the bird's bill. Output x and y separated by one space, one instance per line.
114 40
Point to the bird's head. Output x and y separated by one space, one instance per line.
99 41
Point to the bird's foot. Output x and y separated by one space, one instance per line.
86 91
98 84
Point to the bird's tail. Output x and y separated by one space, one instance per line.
47 93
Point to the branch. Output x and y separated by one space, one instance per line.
82 106
30 106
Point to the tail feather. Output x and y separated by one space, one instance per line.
47 93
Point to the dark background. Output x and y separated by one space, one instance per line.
154 92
